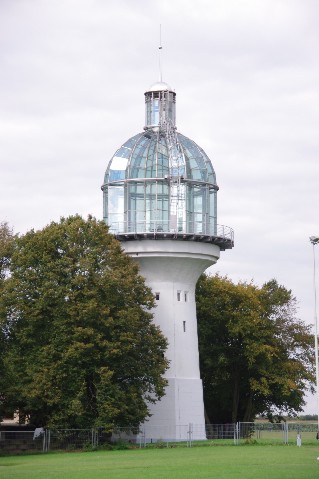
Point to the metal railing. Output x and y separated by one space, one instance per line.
198 227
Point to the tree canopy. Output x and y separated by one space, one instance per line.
255 354
79 345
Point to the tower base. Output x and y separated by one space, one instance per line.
179 415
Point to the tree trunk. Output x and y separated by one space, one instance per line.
248 415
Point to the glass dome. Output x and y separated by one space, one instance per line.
159 182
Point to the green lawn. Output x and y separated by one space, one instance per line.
220 462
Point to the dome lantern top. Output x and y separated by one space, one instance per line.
160 106
159 86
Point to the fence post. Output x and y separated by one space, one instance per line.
189 434
236 434
286 432
95 437
142 437
46 440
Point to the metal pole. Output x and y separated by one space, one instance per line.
315 240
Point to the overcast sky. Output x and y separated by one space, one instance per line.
246 72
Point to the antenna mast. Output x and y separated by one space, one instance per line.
159 54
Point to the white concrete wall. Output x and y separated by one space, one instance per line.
169 267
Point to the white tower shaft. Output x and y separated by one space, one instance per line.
172 273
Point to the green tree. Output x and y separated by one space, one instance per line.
255 355
6 244
81 346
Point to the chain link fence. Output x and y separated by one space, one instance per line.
19 442
276 433
45 440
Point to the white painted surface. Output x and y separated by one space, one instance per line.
171 267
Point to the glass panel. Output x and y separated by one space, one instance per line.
136 207
162 166
155 111
163 206
198 164
119 162
116 208
152 107
151 161
150 212
137 164
147 110
156 206
181 208
212 212
105 205
198 210
132 141
117 168
190 210
162 159
124 152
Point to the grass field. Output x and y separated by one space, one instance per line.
220 462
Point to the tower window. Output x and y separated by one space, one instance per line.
157 295
184 326
185 296
178 295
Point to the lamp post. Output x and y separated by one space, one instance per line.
315 240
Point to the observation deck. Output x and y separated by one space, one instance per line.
224 237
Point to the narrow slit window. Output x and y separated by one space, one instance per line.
157 296
184 326
178 295
185 296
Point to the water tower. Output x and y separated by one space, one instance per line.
160 196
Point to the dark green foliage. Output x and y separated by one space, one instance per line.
81 349
6 245
6 248
255 356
